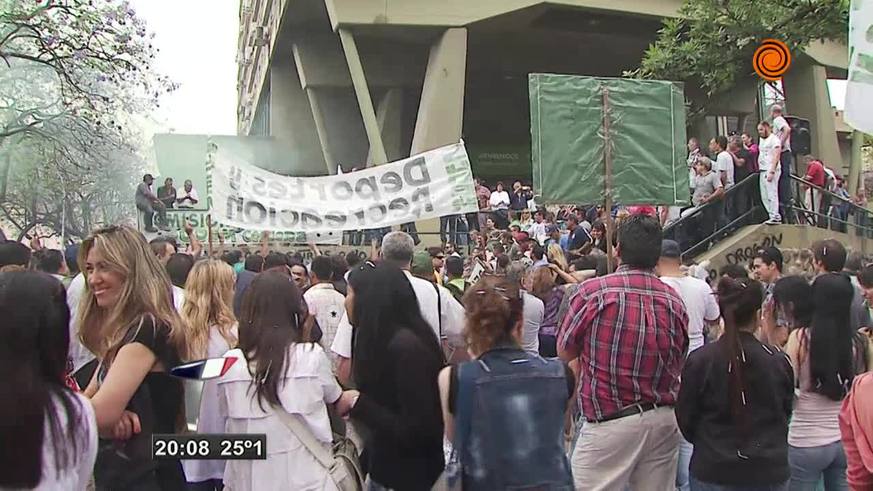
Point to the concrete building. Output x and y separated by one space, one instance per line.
344 83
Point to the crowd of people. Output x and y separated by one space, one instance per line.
532 362
155 203
556 348
770 158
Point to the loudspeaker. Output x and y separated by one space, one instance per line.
801 135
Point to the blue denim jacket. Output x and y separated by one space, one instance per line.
510 422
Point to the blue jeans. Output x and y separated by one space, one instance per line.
810 465
682 470
705 486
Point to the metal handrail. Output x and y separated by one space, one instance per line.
700 209
674 230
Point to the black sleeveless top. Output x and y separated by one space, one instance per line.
159 403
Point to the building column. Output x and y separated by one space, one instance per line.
362 92
807 97
441 111
317 115
389 117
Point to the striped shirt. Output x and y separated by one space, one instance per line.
631 332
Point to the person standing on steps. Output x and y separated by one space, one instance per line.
770 148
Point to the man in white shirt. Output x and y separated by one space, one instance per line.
770 148
537 230
782 130
724 166
702 311
724 162
324 302
188 198
438 307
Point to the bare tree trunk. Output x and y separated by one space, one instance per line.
4 175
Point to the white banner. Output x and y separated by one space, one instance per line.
859 90
429 185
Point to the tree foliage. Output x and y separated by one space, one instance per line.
91 46
74 75
711 43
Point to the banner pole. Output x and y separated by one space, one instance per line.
607 181
209 233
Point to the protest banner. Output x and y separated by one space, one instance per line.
234 236
859 89
432 184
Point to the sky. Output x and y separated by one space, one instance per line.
197 41
837 89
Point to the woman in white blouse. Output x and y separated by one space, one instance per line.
282 371
208 313
49 435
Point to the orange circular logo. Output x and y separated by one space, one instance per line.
772 59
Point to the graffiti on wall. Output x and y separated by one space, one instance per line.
743 255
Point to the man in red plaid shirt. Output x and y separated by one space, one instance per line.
629 332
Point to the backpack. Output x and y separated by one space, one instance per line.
456 292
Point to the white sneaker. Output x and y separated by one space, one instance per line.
773 221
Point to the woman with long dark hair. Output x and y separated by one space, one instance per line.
49 433
791 309
735 401
826 357
395 362
283 372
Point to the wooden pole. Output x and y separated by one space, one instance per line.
607 181
209 233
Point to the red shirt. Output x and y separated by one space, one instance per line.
642 210
815 173
631 330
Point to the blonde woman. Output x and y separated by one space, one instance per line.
556 256
212 331
126 318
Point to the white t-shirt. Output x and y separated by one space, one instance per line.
187 203
499 200
78 471
328 307
769 152
78 353
725 163
210 419
178 298
452 318
782 130
532 313
699 302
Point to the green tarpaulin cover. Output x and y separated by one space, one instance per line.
647 133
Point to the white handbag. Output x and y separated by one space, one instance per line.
341 463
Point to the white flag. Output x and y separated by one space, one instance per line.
859 90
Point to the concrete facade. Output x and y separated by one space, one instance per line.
348 83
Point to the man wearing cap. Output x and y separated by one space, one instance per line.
702 311
553 235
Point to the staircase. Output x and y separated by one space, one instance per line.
736 235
